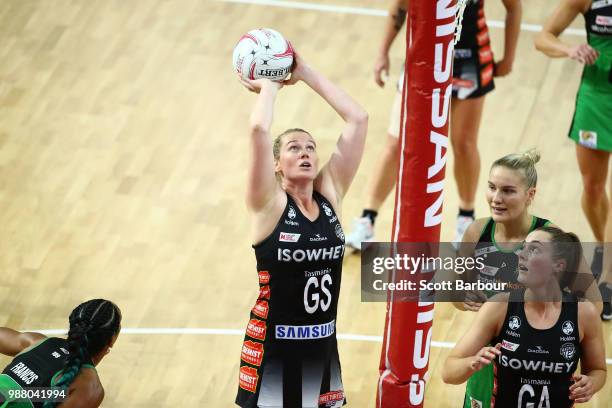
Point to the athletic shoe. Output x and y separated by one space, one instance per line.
463 223
606 296
363 231
597 263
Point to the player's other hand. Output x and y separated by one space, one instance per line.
583 53
381 65
485 356
299 71
582 388
502 68
256 85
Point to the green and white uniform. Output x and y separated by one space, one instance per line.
592 124
500 265
38 366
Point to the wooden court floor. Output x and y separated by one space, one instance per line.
122 168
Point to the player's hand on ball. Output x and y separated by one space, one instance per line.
381 65
502 68
299 70
582 388
583 53
256 85
485 356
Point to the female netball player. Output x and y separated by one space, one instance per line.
511 190
290 356
473 73
592 124
385 170
64 363
540 332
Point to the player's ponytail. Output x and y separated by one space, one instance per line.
566 246
524 162
93 324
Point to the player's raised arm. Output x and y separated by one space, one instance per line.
336 176
393 25
262 184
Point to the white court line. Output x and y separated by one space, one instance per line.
375 12
238 332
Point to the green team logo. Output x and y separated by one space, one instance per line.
588 138
474 403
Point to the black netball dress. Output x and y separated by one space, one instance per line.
498 266
473 65
290 355
535 367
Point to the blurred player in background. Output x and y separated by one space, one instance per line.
591 127
473 72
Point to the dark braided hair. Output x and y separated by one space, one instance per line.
93 324
566 245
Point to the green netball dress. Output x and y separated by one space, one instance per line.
592 124
38 366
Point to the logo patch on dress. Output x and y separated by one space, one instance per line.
474 403
256 329
463 53
600 4
537 350
587 138
288 237
261 309
514 322
568 327
463 83
327 210
568 350
603 20
330 398
264 277
339 232
509 345
252 352
318 238
264 292
312 332
489 270
248 379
